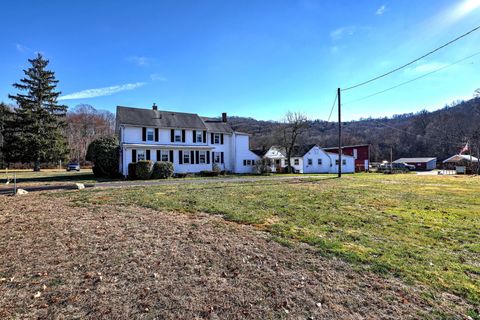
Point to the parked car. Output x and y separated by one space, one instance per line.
73 166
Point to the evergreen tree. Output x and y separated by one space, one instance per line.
39 117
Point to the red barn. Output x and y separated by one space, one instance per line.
360 152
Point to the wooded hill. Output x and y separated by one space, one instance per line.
440 133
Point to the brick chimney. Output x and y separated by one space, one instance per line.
154 107
224 117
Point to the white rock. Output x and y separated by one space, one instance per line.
80 186
21 191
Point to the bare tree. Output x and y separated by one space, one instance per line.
85 124
293 125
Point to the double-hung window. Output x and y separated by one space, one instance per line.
186 156
319 161
150 134
140 155
216 157
178 135
199 137
309 162
164 156
216 138
344 162
202 157
296 162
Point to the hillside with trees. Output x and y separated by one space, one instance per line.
440 133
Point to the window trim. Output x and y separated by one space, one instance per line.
215 155
150 131
296 162
204 154
143 153
177 134
215 140
186 155
199 137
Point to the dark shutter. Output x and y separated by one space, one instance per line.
194 136
212 138
192 156
208 157
197 157
204 136
134 155
148 155
156 134
180 156
171 156
183 135
221 138
244 162
172 135
213 157
221 157
144 134
159 158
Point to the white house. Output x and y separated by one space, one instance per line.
192 143
307 159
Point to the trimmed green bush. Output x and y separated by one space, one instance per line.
162 170
132 170
104 153
144 169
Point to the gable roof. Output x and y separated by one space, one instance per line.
215 125
460 158
259 152
417 160
169 119
300 151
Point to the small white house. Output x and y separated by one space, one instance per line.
313 159
192 143
307 159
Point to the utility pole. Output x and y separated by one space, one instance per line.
339 134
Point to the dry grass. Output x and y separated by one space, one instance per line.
123 262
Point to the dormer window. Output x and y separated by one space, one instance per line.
178 135
150 134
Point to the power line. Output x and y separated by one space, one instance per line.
413 61
333 106
414 79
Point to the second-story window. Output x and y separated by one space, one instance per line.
150 134
199 137
310 162
216 138
178 135
319 161
296 162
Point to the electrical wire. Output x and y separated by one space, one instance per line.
413 61
333 106
412 80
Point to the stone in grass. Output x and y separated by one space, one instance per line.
21 192
80 186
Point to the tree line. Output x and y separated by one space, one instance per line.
37 129
440 133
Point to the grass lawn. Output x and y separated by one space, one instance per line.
424 229
47 176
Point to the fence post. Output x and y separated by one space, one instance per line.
15 183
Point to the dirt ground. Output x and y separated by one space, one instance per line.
103 262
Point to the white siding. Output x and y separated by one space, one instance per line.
242 152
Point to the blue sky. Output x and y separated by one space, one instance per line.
248 58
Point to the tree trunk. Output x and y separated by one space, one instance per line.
36 166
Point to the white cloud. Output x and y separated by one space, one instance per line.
140 60
426 67
21 48
157 77
339 33
100 92
381 10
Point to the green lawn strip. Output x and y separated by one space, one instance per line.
420 228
